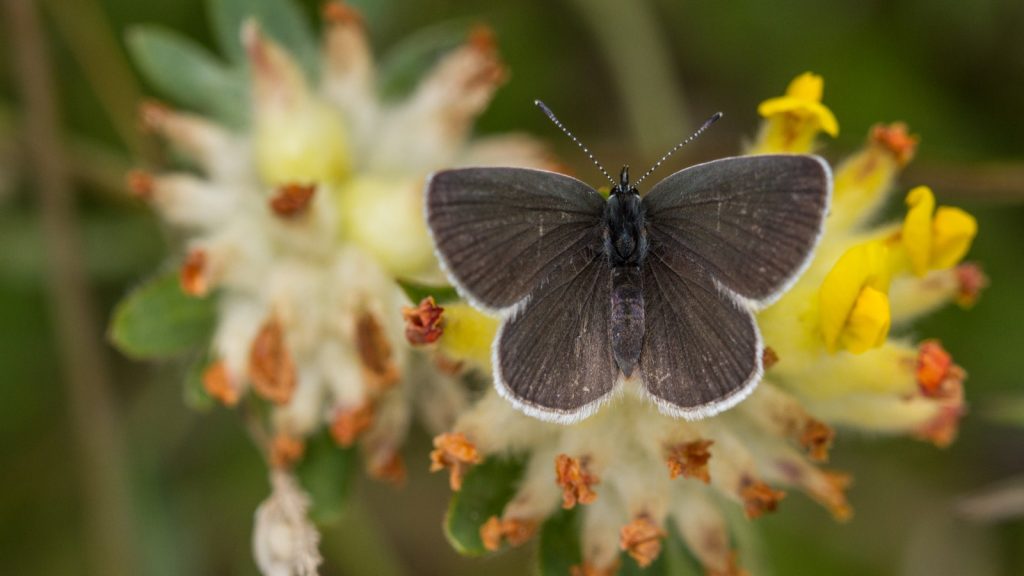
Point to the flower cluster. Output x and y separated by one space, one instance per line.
638 481
299 227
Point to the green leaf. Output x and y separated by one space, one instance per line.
157 320
417 292
486 489
184 72
326 472
281 20
559 549
196 396
403 66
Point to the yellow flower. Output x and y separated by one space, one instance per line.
793 120
853 299
631 472
935 239
863 181
468 334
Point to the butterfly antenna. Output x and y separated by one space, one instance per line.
703 127
551 116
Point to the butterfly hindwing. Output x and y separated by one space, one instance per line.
501 232
553 357
750 222
702 350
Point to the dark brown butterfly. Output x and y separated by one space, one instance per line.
661 287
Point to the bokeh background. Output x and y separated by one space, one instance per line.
121 455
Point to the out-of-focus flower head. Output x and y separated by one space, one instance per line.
299 226
628 482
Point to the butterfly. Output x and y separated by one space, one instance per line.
660 289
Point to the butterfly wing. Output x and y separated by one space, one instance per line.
702 350
724 237
552 359
501 232
751 222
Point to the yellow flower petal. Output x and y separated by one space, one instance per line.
299 138
795 119
868 323
468 334
864 179
852 313
807 86
935 239
917 228
384 217
952 233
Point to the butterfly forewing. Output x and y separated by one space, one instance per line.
553 358
752 222
501 232
701 351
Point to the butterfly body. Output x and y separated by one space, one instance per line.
659 289
626 248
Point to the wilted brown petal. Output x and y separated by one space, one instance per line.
271 367
690 460
641 539
217 383
456 453
423 324
286 450
572 476
375 353
292 200
895 139
759 497
349 423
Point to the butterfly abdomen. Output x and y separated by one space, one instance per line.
627 320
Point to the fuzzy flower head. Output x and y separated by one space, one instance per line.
629 483
296 227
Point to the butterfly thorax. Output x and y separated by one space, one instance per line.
626 249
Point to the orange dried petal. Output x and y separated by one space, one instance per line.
769 357
349 423
389 467
817 438
375 354
896 140
936 374
641 539
292 200
140 184
972 280
423 322
759 498
286 450
456 453
572 475
341 13
690 460
193 277
271 367
515 532
217 383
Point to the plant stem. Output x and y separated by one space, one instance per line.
94 426
87 33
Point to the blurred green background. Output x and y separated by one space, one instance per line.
629 78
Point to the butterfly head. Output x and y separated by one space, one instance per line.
624 188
